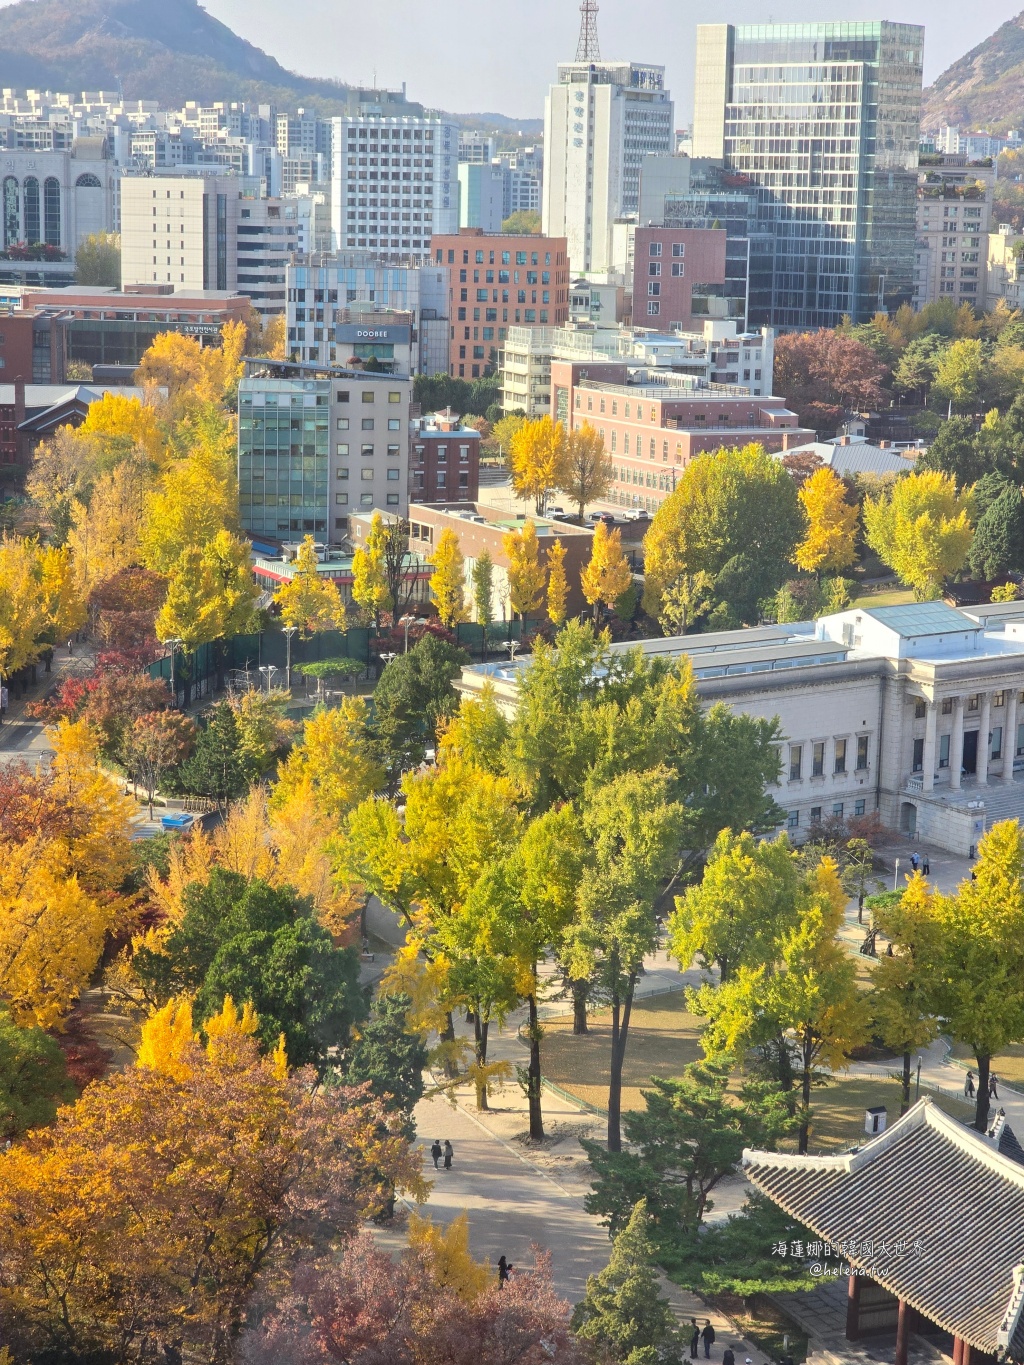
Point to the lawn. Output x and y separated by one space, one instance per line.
838 1110
663 1037
1008 1066
892 597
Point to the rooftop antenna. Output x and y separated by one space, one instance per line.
589 48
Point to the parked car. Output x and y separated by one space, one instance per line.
556 512
607 517
637 514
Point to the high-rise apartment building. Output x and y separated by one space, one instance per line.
499 280
954 211
210 232
823 120
394 183
600 120
481 195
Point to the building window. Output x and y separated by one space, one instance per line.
51 211
919 710
653 311
366 474
837 810
393 499
393 475
862 752
947 706
655 248
654 268
394 424
840 763
859 807
944 751
996 746
818 759
796 753
918 756
815 815
793 820
366 499
394 397
973 702
368 395
366 452
678 248
367 423
999 699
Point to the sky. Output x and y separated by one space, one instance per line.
482 55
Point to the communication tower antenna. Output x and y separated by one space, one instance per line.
589 48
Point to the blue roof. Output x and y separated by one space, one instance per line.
922 618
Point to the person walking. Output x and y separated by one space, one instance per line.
993 1093
926 867
449 1152
503 1270
436 1152
969 1085
694 1339
727 1356
915 861
709 1338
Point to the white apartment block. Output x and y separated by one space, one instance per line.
205 232
600 120
913 712
954 210
394 183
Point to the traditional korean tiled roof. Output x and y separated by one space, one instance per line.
931 1210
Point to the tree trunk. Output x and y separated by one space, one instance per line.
905 1102
533 1071
447 1035
579 1008
621 1010
480 1028
982 1105
805 1098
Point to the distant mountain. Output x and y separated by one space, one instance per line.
166 50
984 89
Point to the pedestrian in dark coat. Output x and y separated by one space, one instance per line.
694 1338
727 1356
915 861
436 1152
993 1093
449 1152
969 1085
503 1269
709 1338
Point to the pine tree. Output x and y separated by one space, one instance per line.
623 1312
558 586
390 1057
217 769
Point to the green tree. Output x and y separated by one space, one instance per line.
735 1256
922 529
998 545
448 581
901 983
689 1137
523 223
369 573
217 768
587 476
624 1314
915 370
33 1078
978 972
735 520
483 592
954 452
958 374
412 700
389 1056
746 899
265 947
98 260
634 831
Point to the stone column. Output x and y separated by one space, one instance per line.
928 761
956 744
1010 734
984 738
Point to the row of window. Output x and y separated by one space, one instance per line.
816 813
367 451
973 703
368 396
506 257
840 757
367 500
366 424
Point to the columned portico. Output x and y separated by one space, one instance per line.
984 738
928 758
956 748
1010 734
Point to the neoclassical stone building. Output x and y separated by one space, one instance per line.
910 711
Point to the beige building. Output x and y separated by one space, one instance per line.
1004 276
211 231
954 211
913 712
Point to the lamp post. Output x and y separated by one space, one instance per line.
512 646
289 631
269 670
920 1059
389 658
896 876
172 644
408 621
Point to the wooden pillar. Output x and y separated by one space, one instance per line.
958 1350
965 1353
852 1307
903 1332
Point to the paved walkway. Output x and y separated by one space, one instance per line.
22 738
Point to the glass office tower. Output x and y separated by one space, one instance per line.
823 119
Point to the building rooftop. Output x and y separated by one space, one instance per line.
859 457
922 618
933 1211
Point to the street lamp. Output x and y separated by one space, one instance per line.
389 658
172 644
408 621
920 1059
896 876
289 631
269 670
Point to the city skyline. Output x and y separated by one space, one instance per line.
396 44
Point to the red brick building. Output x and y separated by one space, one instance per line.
499 280
668 263
32 348
653 429
444 460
